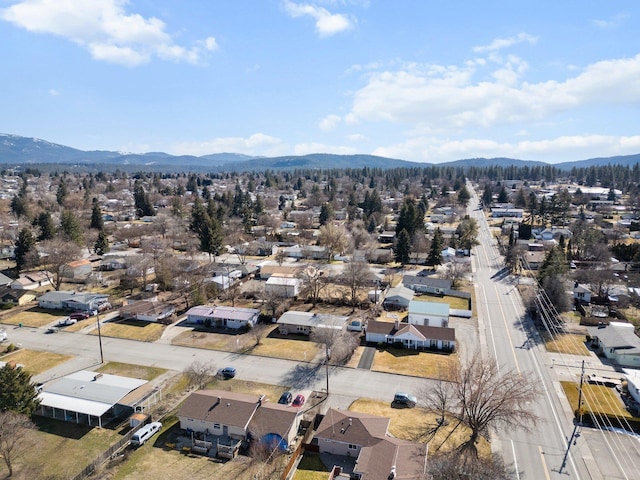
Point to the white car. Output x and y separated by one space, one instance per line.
67 321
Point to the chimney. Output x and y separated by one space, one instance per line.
397 324
575 285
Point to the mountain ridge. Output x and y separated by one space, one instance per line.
19 150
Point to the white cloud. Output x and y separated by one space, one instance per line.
330 122
500 43
566 148
105 29
53 92
256 144
357 137
439 97
308 148
613 22
327 23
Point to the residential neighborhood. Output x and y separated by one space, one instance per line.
308 278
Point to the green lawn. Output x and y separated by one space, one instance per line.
311 468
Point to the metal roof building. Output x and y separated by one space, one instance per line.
91 398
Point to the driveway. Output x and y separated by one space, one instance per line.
366 360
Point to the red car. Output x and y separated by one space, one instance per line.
298 401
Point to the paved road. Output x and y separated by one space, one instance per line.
345 382
507 335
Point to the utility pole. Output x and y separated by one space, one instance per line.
99 335
580 395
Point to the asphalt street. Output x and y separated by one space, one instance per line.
556 447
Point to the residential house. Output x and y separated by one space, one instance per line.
267 271
16 297
148 311
285 287
617 342
433 314
411 336
398 298
424 284
31 281
633 383
581 293
313 252
68 300
379 456
533 260
230 418
223 317
497 212
77 270
304 323
448 253
91 398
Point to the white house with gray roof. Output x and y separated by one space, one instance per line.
618 342
304 323
433 314
234 318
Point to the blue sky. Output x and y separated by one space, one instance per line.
420 80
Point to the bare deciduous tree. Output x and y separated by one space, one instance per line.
355 275
314 283
339 345
483 398
258 332
448 466
200 373
334 238
456 270
56 254
14 430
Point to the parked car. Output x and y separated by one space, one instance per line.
67 321
298 401
79 315
227 372
401 398
285 398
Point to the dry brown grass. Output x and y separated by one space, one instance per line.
355 358
34 361
454 302
420 364
415 424
131 371
271 345
597 399
131 330
569 343
33 317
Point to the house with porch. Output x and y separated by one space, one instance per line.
226 419
417 337
378 455
92 398
304 323
617 342
581 293
69 300
434 314
234 318
16 297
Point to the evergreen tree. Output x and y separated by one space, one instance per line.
554 264
46 225
96 216
18 392
25 244
143 205
206 227
487 196
326 213
20 205
102 243
464 196
62 192
503 196
70 227
435 252
403 247
410 218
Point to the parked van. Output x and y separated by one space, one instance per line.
405 399
145 433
